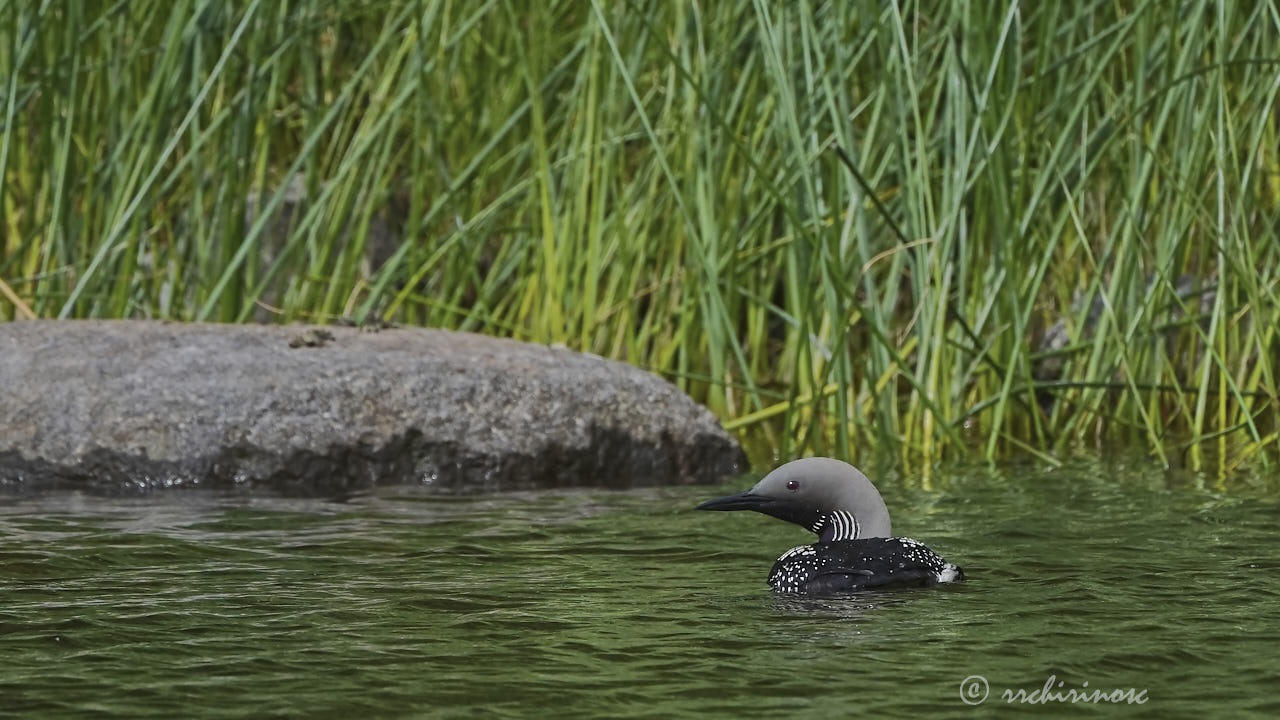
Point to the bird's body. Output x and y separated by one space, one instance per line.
847 565
855 548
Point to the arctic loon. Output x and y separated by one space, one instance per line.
855 549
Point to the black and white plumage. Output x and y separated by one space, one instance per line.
846 565
855 548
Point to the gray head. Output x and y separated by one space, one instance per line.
824 495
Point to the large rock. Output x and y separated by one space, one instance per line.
110 406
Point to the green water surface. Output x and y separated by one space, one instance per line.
629 604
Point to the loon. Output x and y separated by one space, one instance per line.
856 549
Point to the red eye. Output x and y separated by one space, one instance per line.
793 485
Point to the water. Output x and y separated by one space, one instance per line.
629 604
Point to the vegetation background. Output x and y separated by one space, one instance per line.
947 229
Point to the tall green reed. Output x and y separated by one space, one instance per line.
943 229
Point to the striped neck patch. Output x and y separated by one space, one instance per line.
838 525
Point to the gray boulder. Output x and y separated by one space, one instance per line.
130 405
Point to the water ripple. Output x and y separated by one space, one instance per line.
582 604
